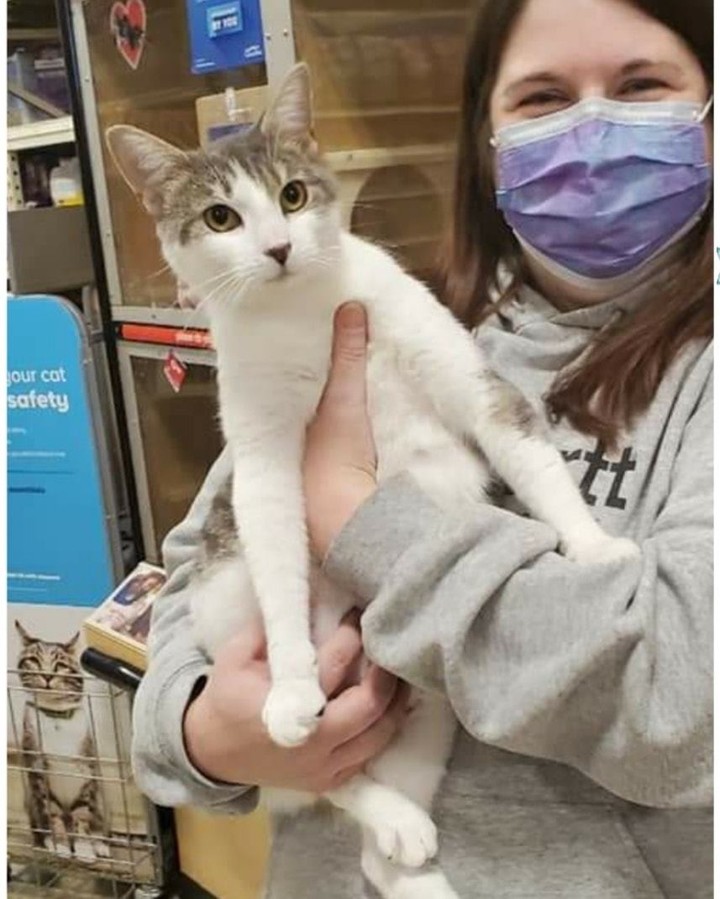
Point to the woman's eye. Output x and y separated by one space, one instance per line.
543 98
641 85
293 196
221 218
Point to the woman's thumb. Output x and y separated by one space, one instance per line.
346 383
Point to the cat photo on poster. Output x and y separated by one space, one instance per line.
70 794
62 795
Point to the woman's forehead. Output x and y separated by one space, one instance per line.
582 37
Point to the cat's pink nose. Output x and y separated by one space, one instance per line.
279 253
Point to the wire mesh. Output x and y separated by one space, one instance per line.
77 825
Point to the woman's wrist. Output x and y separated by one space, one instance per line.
339 509
204 738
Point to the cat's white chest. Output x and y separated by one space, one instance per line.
63 743
409 437
271 372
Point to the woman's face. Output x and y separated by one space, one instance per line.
562 52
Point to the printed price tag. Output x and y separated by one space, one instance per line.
175 371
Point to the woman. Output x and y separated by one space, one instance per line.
584 691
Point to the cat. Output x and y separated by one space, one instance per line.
63 801
251 229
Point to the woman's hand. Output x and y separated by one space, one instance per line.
226 740
339 468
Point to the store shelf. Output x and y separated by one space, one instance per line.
18 35
40 134
49 249
354 19
373 158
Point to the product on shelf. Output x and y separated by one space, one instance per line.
119 626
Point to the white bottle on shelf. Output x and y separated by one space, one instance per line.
65 183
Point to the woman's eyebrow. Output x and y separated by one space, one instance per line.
630 67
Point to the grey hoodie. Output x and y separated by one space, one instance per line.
583 766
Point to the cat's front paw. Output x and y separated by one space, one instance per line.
84 851
292 710
603 549
407 835
57 847
101 847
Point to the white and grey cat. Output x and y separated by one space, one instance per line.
63 801
252 229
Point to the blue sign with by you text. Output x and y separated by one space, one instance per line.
224 35
58 545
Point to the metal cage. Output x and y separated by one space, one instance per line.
124 860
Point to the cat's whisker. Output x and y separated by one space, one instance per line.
219 280
198 308
161 271
235 270
321 260
219 289
234 278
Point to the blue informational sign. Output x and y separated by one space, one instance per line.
224 35
58 547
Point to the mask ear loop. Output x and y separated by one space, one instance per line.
702 115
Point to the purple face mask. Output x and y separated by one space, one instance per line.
600 188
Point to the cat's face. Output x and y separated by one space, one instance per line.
255 211
50 671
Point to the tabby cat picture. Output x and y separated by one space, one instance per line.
64 804
251 229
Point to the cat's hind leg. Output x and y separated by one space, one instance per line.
392 801
58 840
511 436
89 841
445 365
393 881
402 830
47 820
414 764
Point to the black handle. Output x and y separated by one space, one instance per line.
107 668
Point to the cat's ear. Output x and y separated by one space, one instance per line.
290 113
71 644
143 161
25 636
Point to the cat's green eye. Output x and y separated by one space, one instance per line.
293 196
221 218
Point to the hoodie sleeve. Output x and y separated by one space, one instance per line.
177 669
606 667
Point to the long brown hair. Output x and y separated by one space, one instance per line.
619 373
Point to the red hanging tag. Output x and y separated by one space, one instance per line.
175 371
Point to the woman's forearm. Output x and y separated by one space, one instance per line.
606 667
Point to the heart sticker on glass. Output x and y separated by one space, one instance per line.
127 24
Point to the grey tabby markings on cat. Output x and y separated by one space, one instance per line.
219 537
